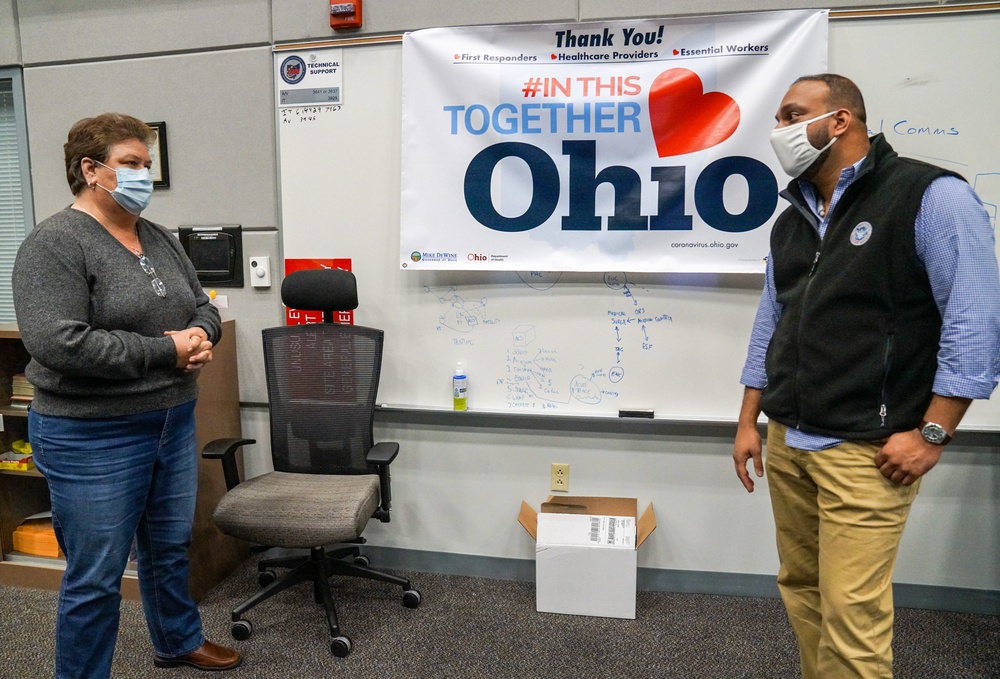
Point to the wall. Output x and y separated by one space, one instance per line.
10 52
560 343
203 66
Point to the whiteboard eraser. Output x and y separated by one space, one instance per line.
643 413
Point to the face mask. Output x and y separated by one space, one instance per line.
791 145
134 190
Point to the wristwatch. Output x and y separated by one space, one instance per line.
934 433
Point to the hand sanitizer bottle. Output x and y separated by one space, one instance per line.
460 388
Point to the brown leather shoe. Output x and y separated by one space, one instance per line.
209 657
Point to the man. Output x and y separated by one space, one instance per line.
880 321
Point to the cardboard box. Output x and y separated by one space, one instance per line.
586 554
16 462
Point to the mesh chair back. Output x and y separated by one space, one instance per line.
322 380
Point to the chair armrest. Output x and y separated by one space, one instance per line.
382 455
225 450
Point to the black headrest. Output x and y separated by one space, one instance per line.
320 290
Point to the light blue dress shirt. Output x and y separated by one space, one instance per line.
955 242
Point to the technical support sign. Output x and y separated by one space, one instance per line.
614 146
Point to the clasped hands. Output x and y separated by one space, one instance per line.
904 458
193 348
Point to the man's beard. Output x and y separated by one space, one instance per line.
813 169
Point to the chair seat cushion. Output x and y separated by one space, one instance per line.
298 510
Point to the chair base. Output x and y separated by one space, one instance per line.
317 567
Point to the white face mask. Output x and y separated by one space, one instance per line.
791 145
134 189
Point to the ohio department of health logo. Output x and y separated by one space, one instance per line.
293 70
862 232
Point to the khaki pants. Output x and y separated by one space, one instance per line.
838 523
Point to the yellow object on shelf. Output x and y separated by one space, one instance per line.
37 537
16 462
21 447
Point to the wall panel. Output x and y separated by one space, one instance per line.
59 31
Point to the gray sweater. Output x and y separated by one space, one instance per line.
93 325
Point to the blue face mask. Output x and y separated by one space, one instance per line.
134 190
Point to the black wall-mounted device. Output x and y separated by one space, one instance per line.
216 252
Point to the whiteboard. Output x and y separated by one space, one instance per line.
580 344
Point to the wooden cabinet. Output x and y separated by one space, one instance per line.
213 555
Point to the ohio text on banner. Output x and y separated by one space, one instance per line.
613 146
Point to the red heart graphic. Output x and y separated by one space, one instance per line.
685 118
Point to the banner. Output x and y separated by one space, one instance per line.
614 146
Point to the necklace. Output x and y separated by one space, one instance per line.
158 287
136 249
138 243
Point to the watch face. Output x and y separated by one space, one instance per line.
934 433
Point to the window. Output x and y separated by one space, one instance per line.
16 216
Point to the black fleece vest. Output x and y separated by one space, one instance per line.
855 351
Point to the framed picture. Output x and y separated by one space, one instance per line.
158 154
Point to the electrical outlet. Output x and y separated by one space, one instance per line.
560 477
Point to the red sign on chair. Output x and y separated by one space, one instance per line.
299 317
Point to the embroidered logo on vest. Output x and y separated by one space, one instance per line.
862 232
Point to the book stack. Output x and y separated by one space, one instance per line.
21 392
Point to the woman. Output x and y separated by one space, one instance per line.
116 344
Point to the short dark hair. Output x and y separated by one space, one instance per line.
843 93
94 137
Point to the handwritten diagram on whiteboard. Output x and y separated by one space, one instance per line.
536 370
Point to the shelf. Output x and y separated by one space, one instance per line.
213 555
49 562
34 560
7 411
39 572
30 473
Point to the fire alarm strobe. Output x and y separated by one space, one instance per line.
345 14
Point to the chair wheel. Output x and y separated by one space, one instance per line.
266 578
341 647
242 630
362 560
411 598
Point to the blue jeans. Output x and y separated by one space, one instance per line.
111 480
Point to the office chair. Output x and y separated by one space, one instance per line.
329 477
